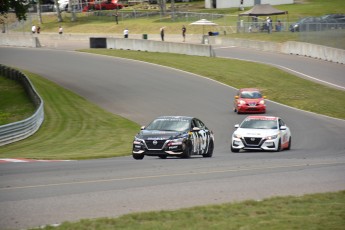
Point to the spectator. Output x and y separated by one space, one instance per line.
269 24
125 33
33 29
162 33
184 33
60 30
279 26
38 29
116 18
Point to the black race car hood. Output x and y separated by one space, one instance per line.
158 135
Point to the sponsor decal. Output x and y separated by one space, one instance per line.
261 118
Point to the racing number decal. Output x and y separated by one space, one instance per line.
195 142
203 140
200 140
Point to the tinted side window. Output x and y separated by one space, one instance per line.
200 124
281 122
194 124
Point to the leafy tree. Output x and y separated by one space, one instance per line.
20 8
162 6
58 12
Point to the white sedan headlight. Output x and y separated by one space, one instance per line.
237 136
272 137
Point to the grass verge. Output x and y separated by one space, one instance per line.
73 128
15 104
317 211
276 84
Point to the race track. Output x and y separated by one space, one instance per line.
34 194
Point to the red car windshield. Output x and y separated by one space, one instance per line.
251 94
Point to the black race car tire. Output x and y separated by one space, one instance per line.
138 156
289 146
187 152
279 146
210 150
234 150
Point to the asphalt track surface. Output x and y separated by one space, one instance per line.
34 194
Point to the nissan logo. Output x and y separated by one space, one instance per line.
154 142
252 138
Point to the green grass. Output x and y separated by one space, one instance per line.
15 104
73 128
276 84
309 212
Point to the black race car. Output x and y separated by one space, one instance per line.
173 136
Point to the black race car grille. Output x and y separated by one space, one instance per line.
155 144
252 141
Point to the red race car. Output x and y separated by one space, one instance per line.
249 100
106 5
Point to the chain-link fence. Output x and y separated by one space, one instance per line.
332 37
327 34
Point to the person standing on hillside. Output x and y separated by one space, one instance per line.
116 18
125 33
60 30
184 33
162 33
269 24
33 29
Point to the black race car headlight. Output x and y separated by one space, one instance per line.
137 141
178 141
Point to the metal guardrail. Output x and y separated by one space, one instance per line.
19 130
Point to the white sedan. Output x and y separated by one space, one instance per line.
261 133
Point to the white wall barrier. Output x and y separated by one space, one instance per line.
19 41
297 48
159 46
314 51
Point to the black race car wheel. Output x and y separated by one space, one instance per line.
279 146
234 150
289 146
138 156
186 151
210 150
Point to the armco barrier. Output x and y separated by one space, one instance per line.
158 46
19 130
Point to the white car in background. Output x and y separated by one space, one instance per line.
63 5
261 133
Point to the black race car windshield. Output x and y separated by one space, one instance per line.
259 124
179 125
251 94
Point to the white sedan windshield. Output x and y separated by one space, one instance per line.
259 124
